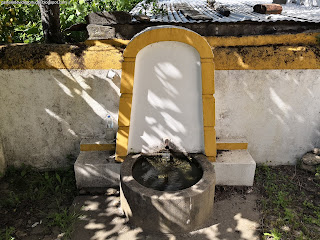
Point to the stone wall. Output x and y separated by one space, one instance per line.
51 96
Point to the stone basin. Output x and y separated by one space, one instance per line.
179 211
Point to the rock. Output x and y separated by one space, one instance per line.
38 230
20 234
109 18
142 18
308 168
316 151
311 159
82 192
96 32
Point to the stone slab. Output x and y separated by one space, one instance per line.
235 168
101 218
97 169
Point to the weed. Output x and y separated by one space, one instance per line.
274 234
38 193
288 212
64 220
7 233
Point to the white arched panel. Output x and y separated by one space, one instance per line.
167 99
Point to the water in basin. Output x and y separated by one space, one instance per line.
167 171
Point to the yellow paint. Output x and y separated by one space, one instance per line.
125 106
208 103
64 56
267 57
290 51
261 40
127 76
168 34
127 80
122 143
231 146
207 71
210 142
98 147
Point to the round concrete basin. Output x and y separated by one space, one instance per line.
168 211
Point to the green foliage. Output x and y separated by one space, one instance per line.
7 233
21 23
274 234
30 185
43 194
285 217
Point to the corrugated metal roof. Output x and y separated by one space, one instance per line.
240 11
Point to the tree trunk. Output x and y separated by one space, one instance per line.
50 17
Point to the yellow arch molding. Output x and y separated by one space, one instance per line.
159 34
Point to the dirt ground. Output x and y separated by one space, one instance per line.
284 201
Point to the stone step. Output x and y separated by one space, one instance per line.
231 143
97 144
234 168
97 169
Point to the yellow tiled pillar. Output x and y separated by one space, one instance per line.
125 106
208 101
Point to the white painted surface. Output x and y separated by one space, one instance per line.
235 168
277 111
45 113
167 102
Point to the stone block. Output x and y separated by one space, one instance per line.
108 18
235 168
97 32
97 169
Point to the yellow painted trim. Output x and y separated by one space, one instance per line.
127 80
125 105
168 34
127 76
98 147
122 143
231 146
210 147
207 71
208 103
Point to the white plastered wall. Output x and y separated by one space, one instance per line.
44 114
277 111
167 99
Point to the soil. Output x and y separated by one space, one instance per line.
29 219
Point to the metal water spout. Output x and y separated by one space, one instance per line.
165 155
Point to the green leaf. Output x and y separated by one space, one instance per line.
23 172
46 175
58 178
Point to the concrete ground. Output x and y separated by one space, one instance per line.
101 218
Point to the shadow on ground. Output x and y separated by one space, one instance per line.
101 218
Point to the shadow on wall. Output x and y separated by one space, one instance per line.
167 99
234 218
45 113
277 111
